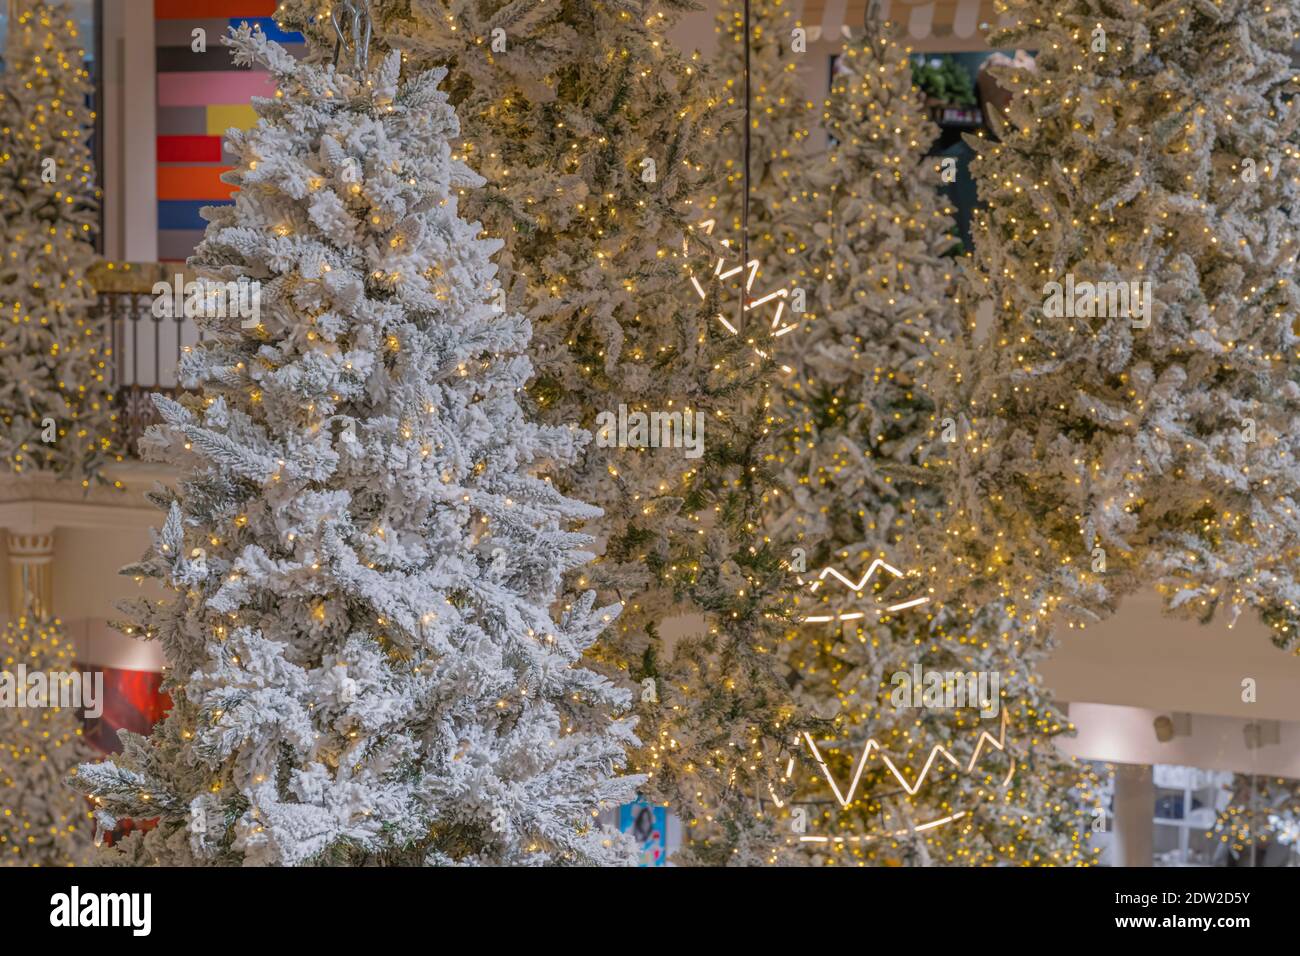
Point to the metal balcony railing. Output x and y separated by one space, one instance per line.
146 348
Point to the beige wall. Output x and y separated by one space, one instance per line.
1126 735
86 562
1143 658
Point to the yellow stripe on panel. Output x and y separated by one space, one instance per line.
221 118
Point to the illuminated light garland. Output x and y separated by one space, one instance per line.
777 327
919 828
868 575
936 751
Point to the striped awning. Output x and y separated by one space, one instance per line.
962 20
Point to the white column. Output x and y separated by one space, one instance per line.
139 126
31 574
110 109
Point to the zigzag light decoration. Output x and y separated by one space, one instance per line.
778 328
845 799
857 587
938 750
872 745
919 828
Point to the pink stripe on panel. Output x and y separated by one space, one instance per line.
218 87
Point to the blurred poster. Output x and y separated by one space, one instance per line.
649 825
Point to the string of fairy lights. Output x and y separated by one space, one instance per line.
47 187
38 747
1031 603
1112 221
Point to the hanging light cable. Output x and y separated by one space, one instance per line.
744 180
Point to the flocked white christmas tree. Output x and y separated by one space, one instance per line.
55 402
361 563
780 140
863 424
594 134
1113 435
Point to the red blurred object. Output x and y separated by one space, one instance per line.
133 700
127 826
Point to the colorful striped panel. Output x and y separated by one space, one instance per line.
182 121
222 118
204 89
181 59
270 28
176 245
200 96
181 33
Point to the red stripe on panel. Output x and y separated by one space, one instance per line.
189 149
222 9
